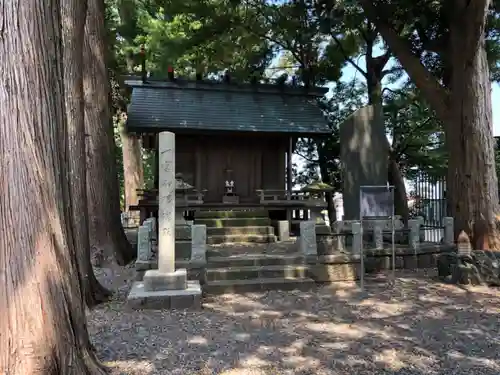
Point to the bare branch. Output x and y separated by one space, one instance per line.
347 57
434 92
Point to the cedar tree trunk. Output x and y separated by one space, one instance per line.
43 323
133 175
73 29
472 179
465 109
106 232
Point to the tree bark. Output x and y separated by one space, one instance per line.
73 29
106 232
472 179
465 109
133 175
43 324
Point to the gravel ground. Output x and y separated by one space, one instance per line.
415 326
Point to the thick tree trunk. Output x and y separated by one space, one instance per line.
133 175
73 29
472 185
106 233
465 109
43 324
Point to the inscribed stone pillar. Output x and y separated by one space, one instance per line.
363 152
166 202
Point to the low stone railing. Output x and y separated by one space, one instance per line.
308 241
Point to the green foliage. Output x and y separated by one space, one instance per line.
417 135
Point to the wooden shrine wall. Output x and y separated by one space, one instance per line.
256 161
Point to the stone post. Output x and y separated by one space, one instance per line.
378 234
143 244
166 201
199 243
165 287
449 231
339 237
357 237
414 234
307 238
283 230
166 277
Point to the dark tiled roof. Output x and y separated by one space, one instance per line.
156 107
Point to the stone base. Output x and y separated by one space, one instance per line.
155 280
189 298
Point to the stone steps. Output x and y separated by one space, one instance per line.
232 214
250 260
257 272
234 222
240 231
257 285
240 238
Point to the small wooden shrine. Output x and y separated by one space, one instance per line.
234 142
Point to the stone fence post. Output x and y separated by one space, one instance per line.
414 234
449 231
357 237
307 238
199 243
144 252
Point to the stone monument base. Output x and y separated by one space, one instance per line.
160 290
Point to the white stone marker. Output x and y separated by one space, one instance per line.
166 202
165 287
166 277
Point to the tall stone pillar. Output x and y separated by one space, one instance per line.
166 203
166 287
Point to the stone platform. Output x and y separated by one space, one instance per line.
189 298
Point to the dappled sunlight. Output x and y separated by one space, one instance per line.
416 326
142 367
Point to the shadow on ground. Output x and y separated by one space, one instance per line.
416 326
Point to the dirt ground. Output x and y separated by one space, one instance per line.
415 325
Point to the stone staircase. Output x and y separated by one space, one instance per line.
256 272
236 226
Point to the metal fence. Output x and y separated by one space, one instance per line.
428 200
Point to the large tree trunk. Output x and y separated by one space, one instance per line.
472 185
43 323
106 233
465 109
73 29
133 175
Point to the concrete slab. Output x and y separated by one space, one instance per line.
189 298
